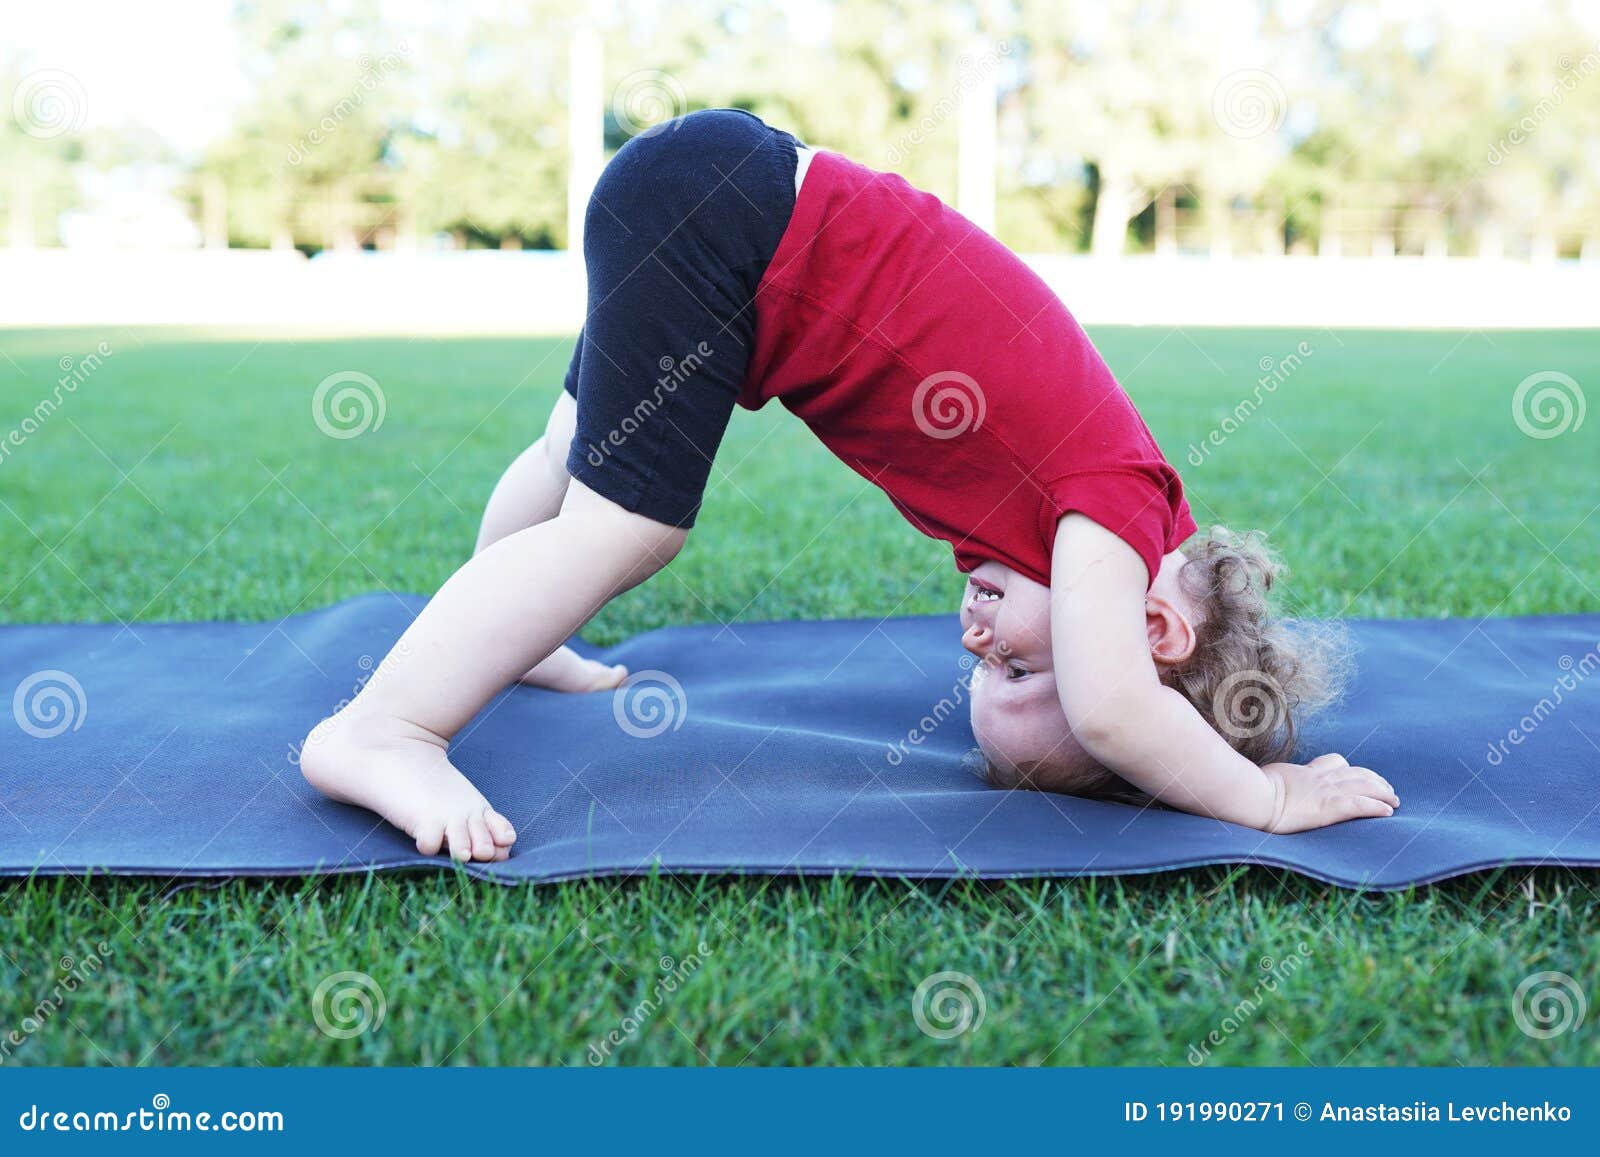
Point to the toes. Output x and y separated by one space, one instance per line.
611 678
460 842
430 839
500 829
483 845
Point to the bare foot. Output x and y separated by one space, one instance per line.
403 773
566 670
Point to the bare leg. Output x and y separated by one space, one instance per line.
528 493
500 614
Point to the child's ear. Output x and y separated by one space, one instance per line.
1171 634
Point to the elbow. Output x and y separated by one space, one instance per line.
1106 732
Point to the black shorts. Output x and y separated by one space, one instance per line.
680 229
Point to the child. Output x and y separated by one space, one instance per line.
937 365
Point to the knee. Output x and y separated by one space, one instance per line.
653 546
662 166
558 434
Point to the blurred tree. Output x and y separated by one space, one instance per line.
1115 88
39 145
303 164
483 154
1211 123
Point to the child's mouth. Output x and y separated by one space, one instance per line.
986 588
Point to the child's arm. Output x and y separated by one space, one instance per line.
1122 714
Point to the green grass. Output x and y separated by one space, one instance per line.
185 479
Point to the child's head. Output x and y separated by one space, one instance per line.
1215 639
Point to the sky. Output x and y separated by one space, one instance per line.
171 65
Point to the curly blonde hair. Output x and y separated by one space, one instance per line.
1254 677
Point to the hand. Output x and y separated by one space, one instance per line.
1325 791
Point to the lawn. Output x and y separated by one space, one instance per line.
185 478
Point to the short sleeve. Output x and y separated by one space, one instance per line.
1144 506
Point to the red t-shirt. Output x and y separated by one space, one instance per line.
938 366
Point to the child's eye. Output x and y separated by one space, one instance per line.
1015 672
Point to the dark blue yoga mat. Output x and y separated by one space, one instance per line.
169 750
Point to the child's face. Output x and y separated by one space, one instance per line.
1016 712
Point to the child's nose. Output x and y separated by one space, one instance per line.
977 639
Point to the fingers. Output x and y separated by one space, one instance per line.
1359 807
1360 781
1370 783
